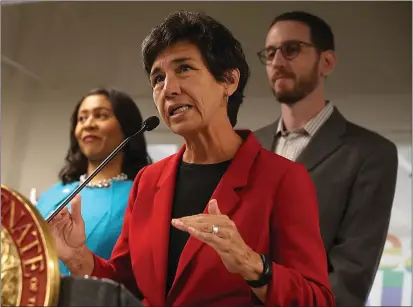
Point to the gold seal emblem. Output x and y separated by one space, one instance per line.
29 263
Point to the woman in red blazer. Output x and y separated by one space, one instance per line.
223 222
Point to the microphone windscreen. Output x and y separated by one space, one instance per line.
151 123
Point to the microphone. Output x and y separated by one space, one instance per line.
148 125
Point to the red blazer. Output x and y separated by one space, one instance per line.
273 203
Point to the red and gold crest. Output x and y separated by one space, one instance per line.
29 263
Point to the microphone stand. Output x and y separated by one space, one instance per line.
97 170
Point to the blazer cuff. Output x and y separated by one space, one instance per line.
101 268
279 294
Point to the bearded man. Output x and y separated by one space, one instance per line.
354 169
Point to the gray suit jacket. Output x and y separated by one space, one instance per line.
354 171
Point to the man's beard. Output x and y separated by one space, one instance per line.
302 88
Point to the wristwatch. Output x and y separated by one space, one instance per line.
266 275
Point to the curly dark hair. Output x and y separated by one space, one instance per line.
219 49
130 119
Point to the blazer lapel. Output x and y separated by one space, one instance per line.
233 179
162 221
267 136
326 141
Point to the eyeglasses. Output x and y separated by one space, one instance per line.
289 49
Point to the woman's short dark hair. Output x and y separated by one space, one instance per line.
130 120
219 48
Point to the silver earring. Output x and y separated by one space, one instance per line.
226 97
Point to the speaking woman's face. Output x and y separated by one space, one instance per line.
97 131
186 94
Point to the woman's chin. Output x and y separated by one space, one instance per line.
184 128
94 156
180 130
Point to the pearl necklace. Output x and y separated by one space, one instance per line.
105 183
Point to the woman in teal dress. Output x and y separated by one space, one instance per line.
100 122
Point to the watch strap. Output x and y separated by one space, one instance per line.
266 275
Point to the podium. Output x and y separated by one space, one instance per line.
30 268
90 291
